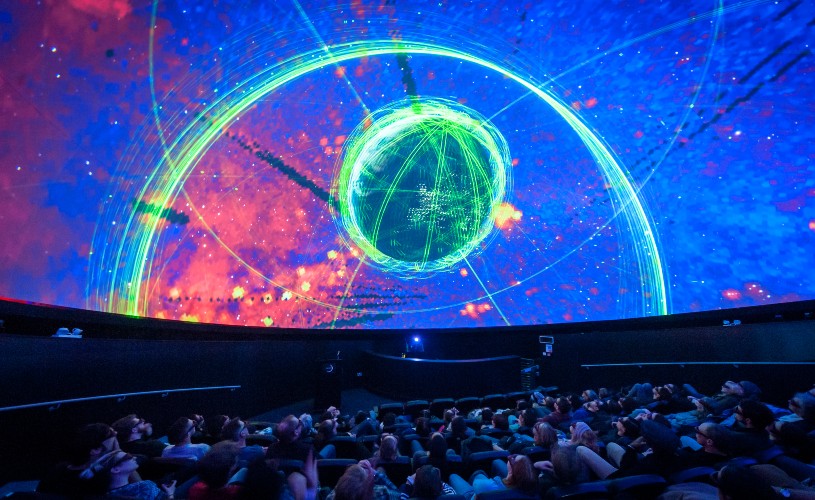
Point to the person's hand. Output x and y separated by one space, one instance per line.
495 447
169 488
545 465
310 470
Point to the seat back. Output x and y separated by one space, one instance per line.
346 446
331 469
482 460
385 408
438 405
398 470
468 404
641 486
494 401
414 408
581 491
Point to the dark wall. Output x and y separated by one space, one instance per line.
276 367
778 354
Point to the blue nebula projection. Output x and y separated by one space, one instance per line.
389 164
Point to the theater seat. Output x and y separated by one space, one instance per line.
385 408
415 408
468 404
397 471
494 401
642 486
438 405
693 474
331 469
482 460
509 494
582 491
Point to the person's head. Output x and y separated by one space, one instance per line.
662 393
544 434
713 437
219 464
563 405
527 418
437 446
215 424
612 407
389 419
389 448
486 415
448 416
118 464
234 430
288 430
603 393
592 406
308 423
427 483
198 420
583 435
520 473
181 431
356 483
500 421
131 428
568 466
589 395
91 442
628 405
732 388
803 405
458 426
327 430
753 414
423 426
628 427
737 482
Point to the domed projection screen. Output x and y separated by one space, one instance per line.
391 164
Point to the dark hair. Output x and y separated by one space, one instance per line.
458 427
563 405
437 450
738 482
500 421
758 413
179 430
88 438
214 425
423 427
215 467
232 429
427 483
486 415
325 433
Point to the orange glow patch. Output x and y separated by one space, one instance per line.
324 142
301 271
576 105
339 72
191 318
515 162
175 293
238 292
306 286
812 225
267 321
332 254
505 215
591 102
339 140
463 272
267 298
731 294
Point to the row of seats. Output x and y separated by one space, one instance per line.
464 405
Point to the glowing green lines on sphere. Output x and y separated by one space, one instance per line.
418 184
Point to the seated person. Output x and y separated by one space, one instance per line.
117 468
426 483
77 477
216 471
750 428
561 415
519 475
180 437
235 431
361 481
134 433
289 445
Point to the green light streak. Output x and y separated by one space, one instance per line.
119 275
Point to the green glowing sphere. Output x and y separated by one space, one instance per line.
418 184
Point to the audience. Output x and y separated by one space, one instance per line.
639 439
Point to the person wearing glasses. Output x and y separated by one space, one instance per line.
134 434
75 478
180 437
118 467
